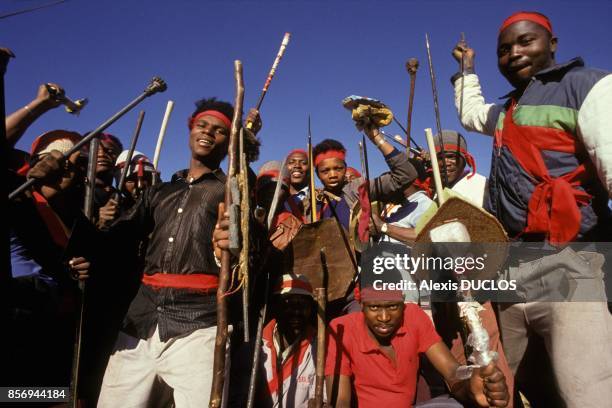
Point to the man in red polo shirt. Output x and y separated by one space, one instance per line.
375 352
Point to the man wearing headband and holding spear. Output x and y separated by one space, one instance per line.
550 181
169 330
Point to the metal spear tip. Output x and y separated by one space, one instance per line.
157 85
412 65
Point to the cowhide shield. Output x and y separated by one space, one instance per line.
486 234
317 243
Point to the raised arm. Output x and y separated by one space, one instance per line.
475 115
595 128
401 174
19 121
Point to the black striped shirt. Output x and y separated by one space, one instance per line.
180 217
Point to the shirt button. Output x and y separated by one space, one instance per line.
159 308
170 239
180 210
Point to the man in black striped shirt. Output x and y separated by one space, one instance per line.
169 330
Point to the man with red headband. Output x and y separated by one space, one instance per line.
373 358
342 196
550 181
169 331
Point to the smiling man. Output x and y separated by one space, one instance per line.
458 159
550 181
170 327
376 354
298 202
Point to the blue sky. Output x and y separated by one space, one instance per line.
108 51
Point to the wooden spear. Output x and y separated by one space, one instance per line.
311 172
434 91
321 299
216 393
264 90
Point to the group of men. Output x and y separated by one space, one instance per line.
550 183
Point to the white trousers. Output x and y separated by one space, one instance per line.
184 363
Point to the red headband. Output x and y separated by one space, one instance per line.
370 294
226 121
468 157
537 18
296 151
330 154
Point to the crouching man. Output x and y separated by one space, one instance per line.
375 353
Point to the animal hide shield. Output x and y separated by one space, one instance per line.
487 235
303 257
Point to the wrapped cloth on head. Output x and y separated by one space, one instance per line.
368 112
140 164
291 284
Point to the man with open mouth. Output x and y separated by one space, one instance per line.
169 331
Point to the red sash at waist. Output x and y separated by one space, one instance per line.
198 281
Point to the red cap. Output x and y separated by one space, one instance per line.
532 16
369 294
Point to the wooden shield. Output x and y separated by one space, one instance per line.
323 242
483 228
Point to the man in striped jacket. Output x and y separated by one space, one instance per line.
550 182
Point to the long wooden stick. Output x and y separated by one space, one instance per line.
411 66
279 55
311 172
88 207
321 297
216 394
434 166
245 211
162 134
462 67
130 154
434 91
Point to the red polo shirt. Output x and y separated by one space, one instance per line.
378 382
